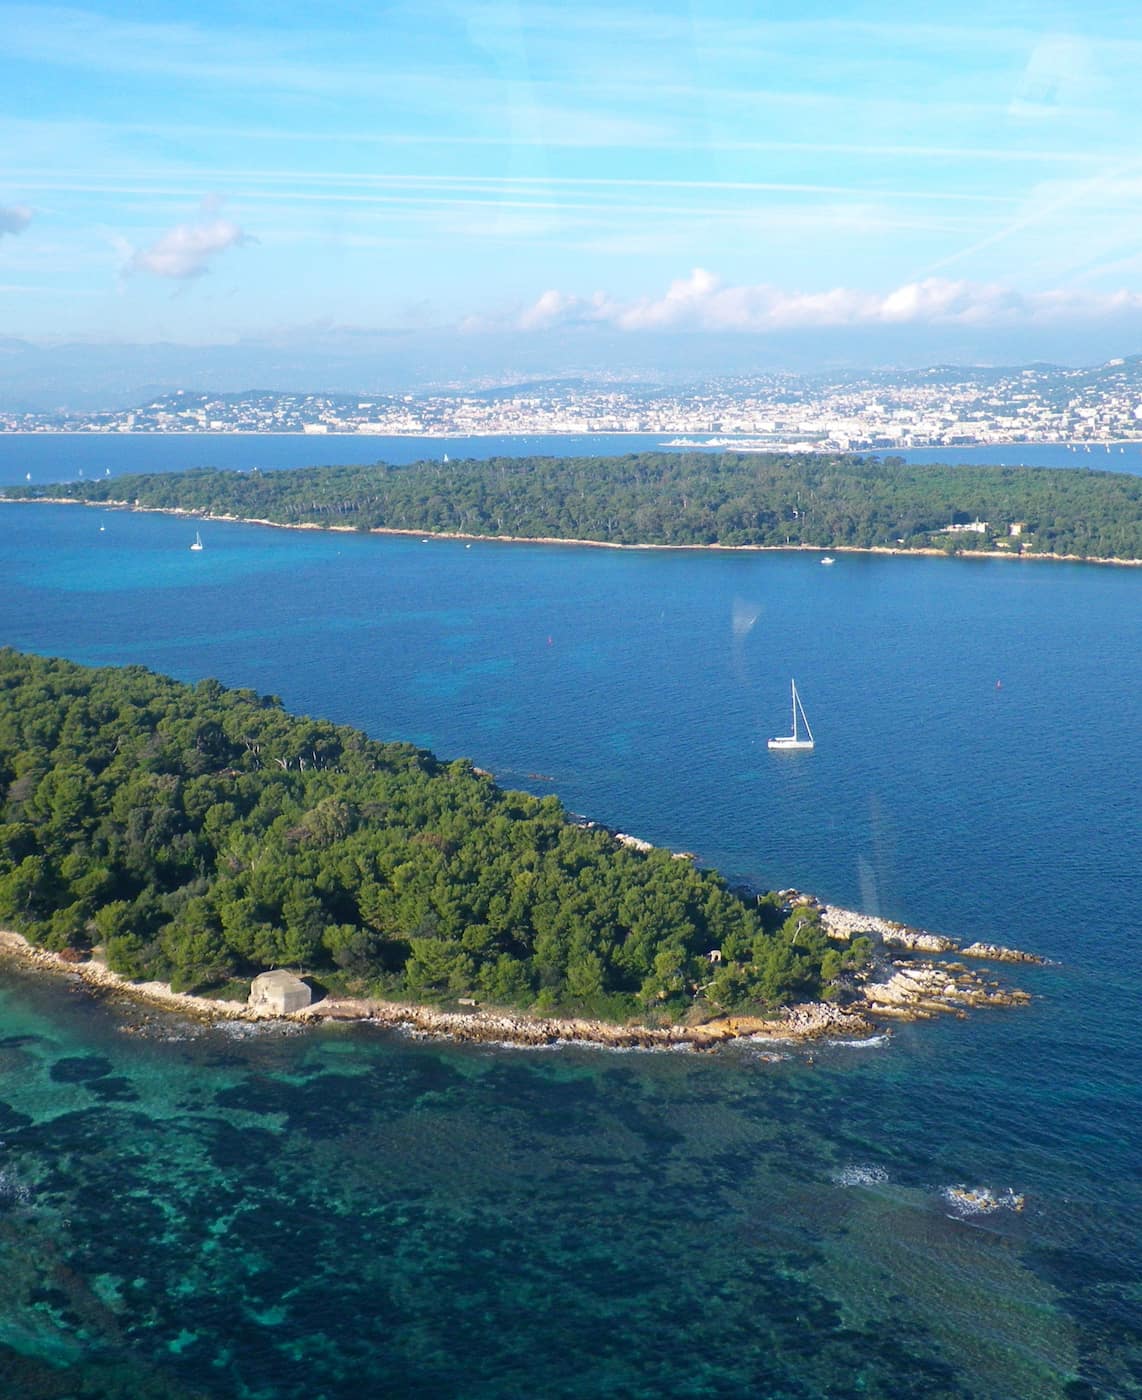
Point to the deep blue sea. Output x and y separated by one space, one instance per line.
187 1212
46 457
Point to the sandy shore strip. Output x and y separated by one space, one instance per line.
927 552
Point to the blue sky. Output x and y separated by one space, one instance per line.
592 174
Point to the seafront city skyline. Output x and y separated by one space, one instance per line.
943 406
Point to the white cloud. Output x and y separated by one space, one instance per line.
186 250
14 218
551 309
701 302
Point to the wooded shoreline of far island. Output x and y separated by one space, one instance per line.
673 500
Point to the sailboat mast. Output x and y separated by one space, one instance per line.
800 707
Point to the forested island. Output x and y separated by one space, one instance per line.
674 499
200 834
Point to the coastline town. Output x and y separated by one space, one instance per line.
1088 409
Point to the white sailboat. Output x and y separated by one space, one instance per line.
794 740
197 542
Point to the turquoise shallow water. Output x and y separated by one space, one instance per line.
187 1212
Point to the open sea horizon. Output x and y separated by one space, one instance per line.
187 1211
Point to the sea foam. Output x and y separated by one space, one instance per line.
860 1175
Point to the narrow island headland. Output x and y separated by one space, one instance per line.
171 842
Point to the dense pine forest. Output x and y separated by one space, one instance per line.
200 834
686 498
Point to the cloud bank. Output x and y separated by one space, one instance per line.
14 218
187 250
702 302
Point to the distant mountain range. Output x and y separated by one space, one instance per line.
85 377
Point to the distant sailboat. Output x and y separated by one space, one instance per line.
197 542
794 740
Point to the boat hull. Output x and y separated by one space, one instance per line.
790 743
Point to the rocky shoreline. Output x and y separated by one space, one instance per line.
474 1023
916 989
901 988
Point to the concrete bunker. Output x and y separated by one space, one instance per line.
279 992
